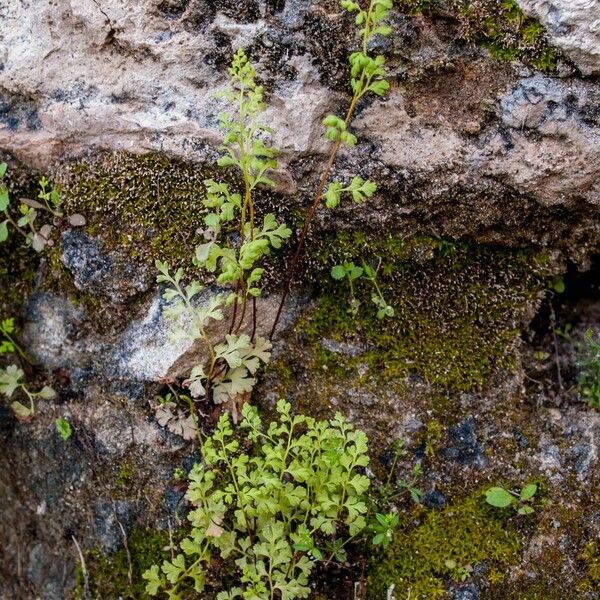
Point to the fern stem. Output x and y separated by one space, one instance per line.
311 212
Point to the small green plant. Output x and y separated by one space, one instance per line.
11 382
501 497
458 572
64 428
589 369
410 485
351 272
384 528
272 504
8 344
395 488
29 210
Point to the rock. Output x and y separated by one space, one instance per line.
113 522
434 499
573 26
457 133
464 447
100 273
465 592
140 350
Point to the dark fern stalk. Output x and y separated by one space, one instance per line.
367 75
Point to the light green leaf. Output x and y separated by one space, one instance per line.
499 497
10 380
528 491
20 410
4 198
155 582
47 393
64 428
338 272
3 231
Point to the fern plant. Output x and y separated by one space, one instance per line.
290 494
367 76
235 263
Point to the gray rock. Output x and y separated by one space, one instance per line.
142 76
464 447
103 274
113 522
466 592
573 26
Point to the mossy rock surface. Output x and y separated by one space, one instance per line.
499 25
458 308
108 574
423 560
147 205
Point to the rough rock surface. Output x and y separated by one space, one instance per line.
463 146
142 76
573 26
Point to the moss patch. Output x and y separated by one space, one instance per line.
109 573
149 206
499 25
458 307
468 533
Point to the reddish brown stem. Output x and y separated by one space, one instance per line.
309 217
254 317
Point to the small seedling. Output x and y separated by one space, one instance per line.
383 308
410 486
502 498
11 382
402 485
384 528
352 272
64 428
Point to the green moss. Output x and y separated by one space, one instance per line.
125 475
468 532
499 25
149 206
457 307
108 574
590 556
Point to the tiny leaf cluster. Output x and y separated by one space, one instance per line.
352 272
12 382
502 498
26 225
291 494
